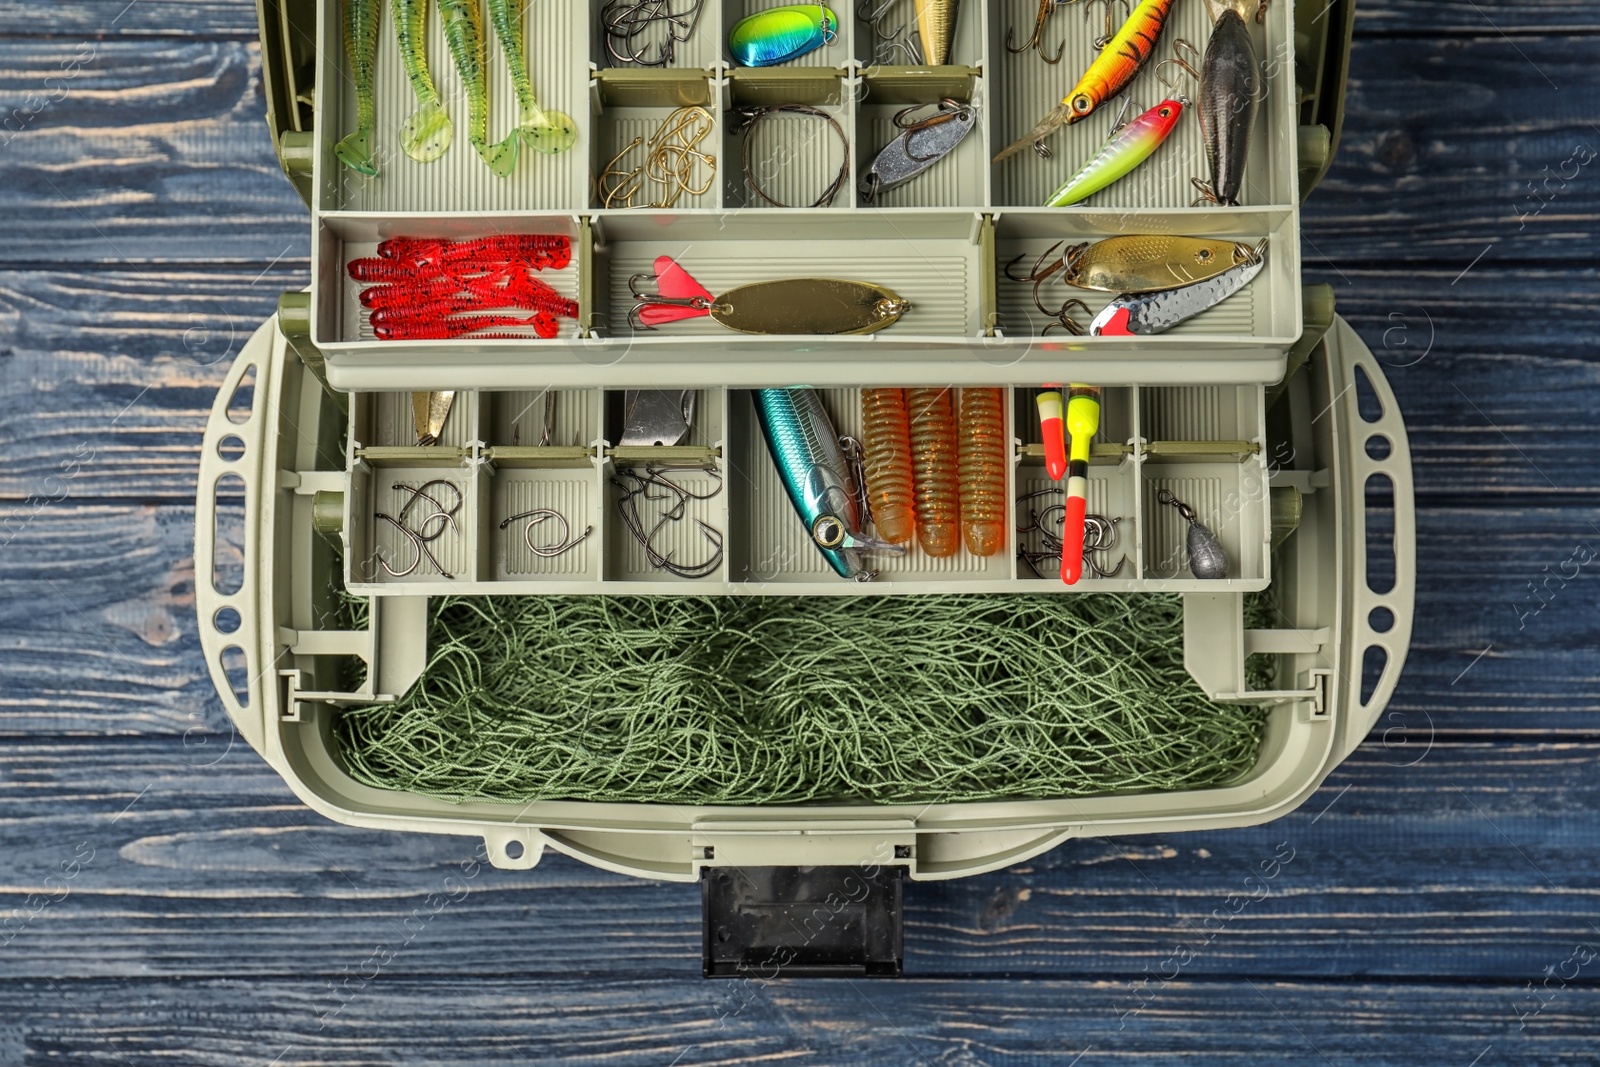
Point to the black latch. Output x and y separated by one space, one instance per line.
815 922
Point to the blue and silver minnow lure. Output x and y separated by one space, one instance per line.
816 472
780 34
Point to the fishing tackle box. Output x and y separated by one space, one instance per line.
1267 414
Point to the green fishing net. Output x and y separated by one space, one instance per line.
770 700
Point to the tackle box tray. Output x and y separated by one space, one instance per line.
272 471
1205 444
941 241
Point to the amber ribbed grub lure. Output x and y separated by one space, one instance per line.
933 463
886 442
982 470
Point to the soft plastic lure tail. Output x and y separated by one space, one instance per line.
361 60
463 31
1128 146
544 131
1118 62
886 442
933 463
427 132
982 469
426 301
542 323
539 250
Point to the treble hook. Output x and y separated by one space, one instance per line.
1065 321
1188 63
1035 41
1110 24
646 298
888 41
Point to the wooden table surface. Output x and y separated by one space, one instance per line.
164 898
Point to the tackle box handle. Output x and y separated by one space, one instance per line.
1362 437
288 30
1323 30
234 447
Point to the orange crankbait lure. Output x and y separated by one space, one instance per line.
1122 57
933 461
886 444
983 471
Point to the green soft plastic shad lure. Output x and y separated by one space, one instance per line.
428 131
361 61
463 31
541 129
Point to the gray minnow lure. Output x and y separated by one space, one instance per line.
922 142
1230 98
1142 314
817 474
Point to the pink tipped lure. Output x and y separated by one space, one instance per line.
1128 146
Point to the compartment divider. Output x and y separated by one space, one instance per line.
1141 527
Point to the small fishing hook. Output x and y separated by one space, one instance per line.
635 486
946 110
565 543
420 538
